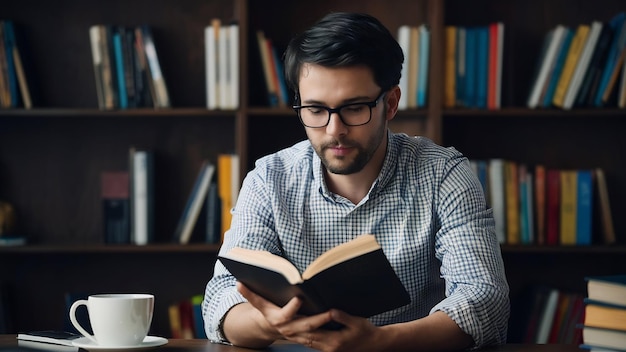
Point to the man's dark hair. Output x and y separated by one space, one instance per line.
343 39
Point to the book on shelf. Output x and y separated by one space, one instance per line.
571 61
609 289
568 215
185 318
471 55
116 206
612 85
403 40
460 71
555 73
605 315
141 166
540 203
413 63
266 60
227 186
496 49
549 53
512 204
591 79
497 196
582 64
598 338
584 207
355 277
213 214
604 207
424 54
618 42
449 99
553 196
194 204
211 39
482 66
162 98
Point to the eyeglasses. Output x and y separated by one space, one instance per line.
353 114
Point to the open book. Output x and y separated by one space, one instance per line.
354 277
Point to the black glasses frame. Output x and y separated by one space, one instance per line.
370 104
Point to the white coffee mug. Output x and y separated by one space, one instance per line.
117 320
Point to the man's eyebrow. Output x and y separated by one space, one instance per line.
358 99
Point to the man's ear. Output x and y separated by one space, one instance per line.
392 101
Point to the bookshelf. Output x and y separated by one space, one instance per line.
51 156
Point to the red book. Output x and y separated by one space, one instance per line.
540 203
552 206
496 31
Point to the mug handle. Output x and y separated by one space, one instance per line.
75 321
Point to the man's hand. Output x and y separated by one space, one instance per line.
357 333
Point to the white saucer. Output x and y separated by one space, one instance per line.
149 341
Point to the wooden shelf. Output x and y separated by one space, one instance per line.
113 249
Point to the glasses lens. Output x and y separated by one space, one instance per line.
356 114
313 116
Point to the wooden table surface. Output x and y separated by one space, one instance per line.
9 343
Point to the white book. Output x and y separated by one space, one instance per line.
403 40
194 203
223 67
96 54
556 37
160 88
233 56
497 197
582 65
210 46
140 220
547 317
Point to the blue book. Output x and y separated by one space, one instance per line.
558 68
618 24
119 67
470 67
482 66
584 209
9 44
460 69
422 77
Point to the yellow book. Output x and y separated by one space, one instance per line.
414 44
569 181
449 83
574 52
224 184
511 187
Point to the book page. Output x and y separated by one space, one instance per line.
351 249
266 260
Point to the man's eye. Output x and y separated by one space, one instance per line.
315 110
354 108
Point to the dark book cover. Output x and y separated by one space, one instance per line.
362 286
116 207
591 79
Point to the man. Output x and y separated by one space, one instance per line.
353 176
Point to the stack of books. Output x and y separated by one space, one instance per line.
580 66
604 326
473 66
415 43
14 90
127 69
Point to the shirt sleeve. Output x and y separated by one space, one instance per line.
477 293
